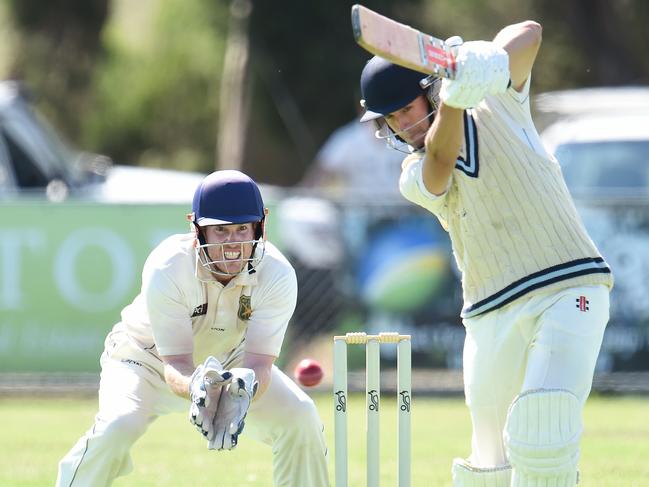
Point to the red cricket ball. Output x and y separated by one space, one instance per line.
308 372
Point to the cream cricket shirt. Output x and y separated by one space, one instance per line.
176 313
511 219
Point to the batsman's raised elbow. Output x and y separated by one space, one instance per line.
534 28
520 36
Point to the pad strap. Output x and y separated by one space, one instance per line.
467 475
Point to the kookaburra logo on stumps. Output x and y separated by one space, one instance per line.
374 400
341 401
405 400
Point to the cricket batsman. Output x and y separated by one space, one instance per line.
535 287
203 335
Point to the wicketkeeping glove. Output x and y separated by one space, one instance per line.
482 68
232 409
204 391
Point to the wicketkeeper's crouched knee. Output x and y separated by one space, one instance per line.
302 422
102 454
122 430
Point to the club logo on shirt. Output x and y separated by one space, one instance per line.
199 310
582 303
245 309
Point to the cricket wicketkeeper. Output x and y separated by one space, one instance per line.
536 289
220 297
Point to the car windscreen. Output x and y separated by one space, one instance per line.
36 153
619 168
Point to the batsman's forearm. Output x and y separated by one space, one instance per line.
443 143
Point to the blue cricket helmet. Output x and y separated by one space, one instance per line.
226 197
387 87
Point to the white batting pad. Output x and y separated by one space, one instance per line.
466 475
542 438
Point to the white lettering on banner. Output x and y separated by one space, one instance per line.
11 244
123 269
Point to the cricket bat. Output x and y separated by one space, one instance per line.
401 44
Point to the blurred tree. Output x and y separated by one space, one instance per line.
141 81
306 64
234 97
158 84
586 42
59 44
607 37
305 69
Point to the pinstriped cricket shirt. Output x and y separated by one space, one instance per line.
512 222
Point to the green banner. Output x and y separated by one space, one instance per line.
66 272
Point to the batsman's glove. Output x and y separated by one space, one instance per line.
204 391
233 407
482 68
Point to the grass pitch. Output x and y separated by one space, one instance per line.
37 432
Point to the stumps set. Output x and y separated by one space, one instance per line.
373 400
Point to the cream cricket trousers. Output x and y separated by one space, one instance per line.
132 396
547 341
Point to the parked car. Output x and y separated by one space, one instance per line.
35 161
600 137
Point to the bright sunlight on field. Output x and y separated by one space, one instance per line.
39 431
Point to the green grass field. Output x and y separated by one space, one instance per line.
37 432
